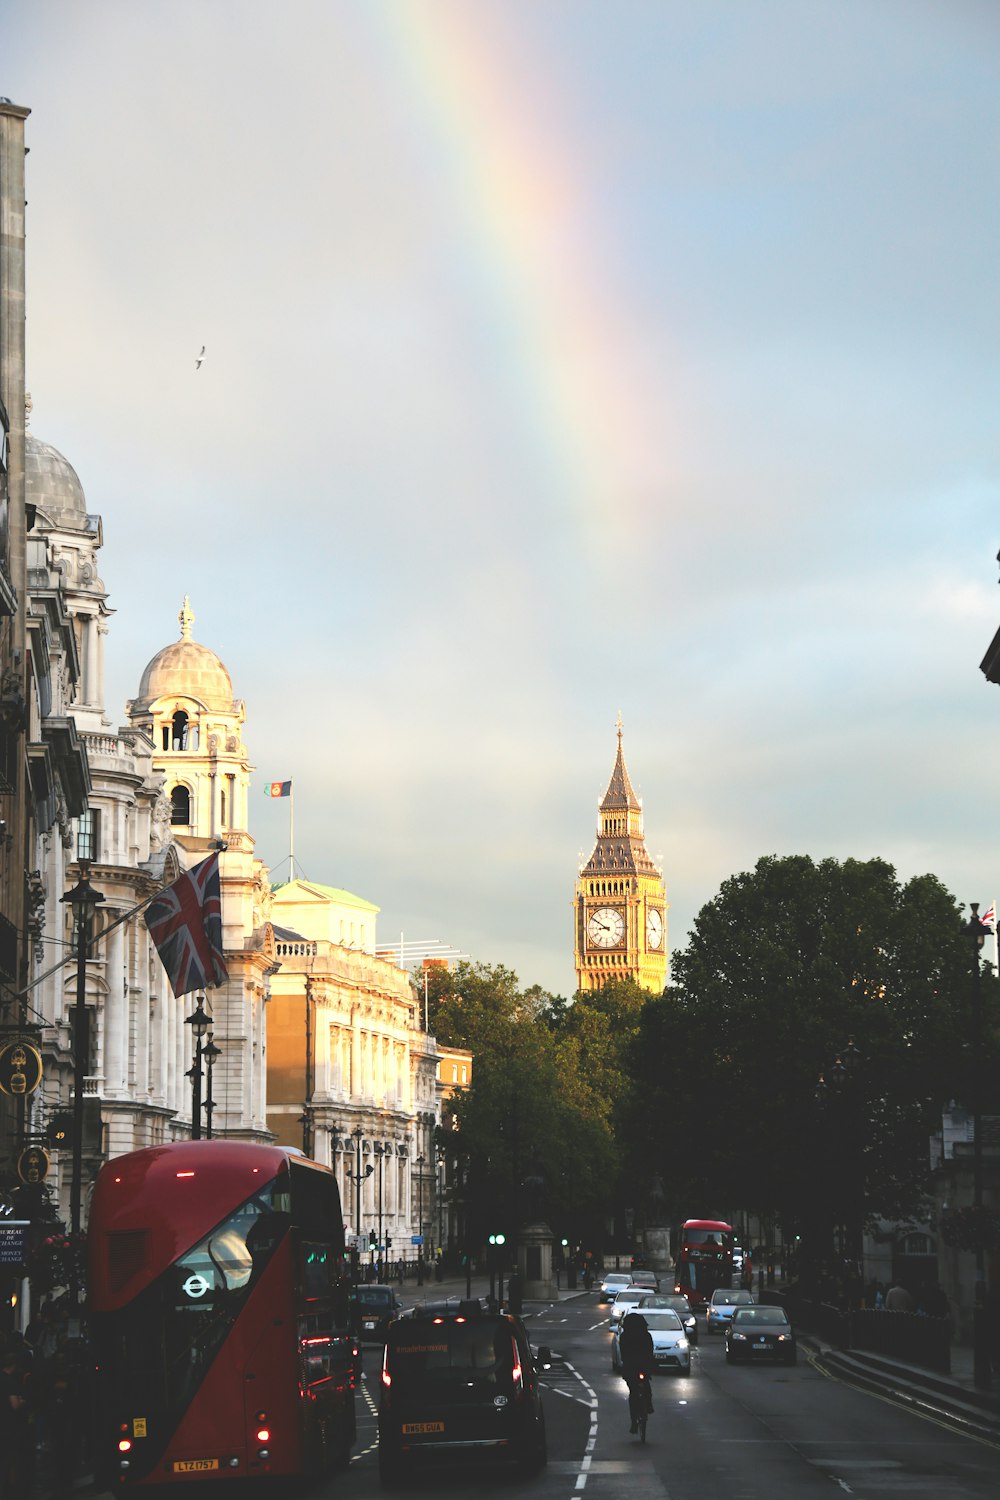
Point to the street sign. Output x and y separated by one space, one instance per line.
20 1067
357 1242
13 1241
416 1239
33 1164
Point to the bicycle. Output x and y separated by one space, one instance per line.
640 1403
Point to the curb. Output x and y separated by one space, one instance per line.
932 1397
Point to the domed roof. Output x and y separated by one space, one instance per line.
51 481
186 669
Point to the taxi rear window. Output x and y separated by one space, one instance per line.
436 1352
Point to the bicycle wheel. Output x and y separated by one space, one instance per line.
642 1426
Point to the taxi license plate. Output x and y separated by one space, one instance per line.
195 1465
409 1427
369 1322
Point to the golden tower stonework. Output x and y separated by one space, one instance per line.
621 901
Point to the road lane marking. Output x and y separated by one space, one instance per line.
581 1479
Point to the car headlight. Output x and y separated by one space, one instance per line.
682 1343
741 1336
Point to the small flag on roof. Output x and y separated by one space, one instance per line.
989 917
278 789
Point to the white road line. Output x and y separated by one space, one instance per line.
581 1479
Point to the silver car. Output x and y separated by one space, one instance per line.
723 1304
625 1301
671 1346
613 1283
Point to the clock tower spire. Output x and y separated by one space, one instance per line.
621 901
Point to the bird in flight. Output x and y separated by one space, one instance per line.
200 360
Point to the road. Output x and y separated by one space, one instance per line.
742 1433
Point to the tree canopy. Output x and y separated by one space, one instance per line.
784 966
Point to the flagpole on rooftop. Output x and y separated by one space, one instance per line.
291 829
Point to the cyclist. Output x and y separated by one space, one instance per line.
638 1363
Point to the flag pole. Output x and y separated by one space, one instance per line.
996 940
291 830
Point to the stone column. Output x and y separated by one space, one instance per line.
116 1019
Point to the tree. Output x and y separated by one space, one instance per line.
535 1120
783 966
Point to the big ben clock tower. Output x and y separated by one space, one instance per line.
621 900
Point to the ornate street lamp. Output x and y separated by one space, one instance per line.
379 1151
419 1162
977 932
210 1052
84 900
199 1022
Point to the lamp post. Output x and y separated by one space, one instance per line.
199 1023
84 900
977 931
379 1150
419 1162
358 1135
210 1052
442 1162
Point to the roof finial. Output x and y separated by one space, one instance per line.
186 618
620 728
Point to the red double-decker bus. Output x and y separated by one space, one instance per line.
217 1303
704 1259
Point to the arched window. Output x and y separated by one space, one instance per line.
179 728
180 805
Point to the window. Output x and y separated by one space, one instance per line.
88 829
180 805
179 724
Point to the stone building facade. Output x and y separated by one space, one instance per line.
352 1075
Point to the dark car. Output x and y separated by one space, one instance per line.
459 1384
674 1302
760 1333
372 1309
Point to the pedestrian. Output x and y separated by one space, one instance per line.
59 1401
16 1436
898 1299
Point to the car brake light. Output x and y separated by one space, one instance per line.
263 1434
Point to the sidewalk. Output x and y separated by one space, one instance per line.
955 1396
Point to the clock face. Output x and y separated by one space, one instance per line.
606 928
654 929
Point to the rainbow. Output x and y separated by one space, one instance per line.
568 354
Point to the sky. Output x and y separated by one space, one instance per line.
562 358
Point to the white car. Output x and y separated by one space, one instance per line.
613 1283
670 1343
625 1302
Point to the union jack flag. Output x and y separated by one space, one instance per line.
989 918
185 923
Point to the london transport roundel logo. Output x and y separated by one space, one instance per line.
196 1285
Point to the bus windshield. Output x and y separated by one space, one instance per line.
704 1258
161 1344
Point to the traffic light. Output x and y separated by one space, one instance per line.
372 1239
388 1242
60 1131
